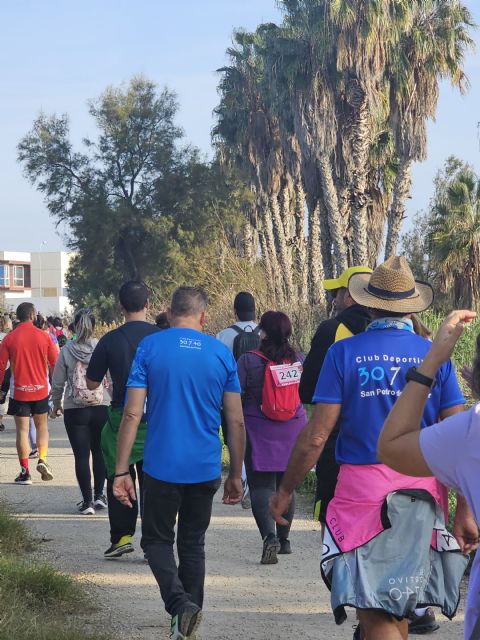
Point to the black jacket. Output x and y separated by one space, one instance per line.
355 319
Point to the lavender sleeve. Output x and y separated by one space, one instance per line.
445 448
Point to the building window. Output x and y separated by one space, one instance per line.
18 275
4 275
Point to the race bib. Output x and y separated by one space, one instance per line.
286 374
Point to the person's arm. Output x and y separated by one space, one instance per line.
232 408
4 358
123 487
52 355
321 342
97 367
59 379
401 432
308 448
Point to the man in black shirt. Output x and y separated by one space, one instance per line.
350 319
114 354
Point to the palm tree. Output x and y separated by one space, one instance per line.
455 238
433 48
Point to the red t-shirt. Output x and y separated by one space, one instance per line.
30 352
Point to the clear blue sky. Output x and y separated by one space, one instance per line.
57 55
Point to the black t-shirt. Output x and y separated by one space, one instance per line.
115 352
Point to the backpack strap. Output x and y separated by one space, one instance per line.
259 354
239 330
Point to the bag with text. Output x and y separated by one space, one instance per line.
280 398
82 395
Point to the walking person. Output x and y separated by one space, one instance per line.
186 377
377 511
270 437
449 450
84 412
241 337
114 354
31 354
350 319
4 329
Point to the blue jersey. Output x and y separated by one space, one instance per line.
186 374
366 374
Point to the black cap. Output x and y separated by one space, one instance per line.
244 305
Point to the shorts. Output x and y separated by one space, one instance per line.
327 473
27 408
399 570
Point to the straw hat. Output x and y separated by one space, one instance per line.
391 287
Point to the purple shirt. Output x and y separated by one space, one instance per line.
271 441
452 451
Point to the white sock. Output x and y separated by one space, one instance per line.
421 612
244 473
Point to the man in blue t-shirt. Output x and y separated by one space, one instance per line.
185 376
379 524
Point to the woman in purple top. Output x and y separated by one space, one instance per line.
449 450
269 442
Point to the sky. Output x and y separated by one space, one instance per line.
58 55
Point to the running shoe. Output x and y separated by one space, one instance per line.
100 501
44 470
271 546
120 548
285 546
33 454
246 501
86 508
2 426
421 625
185 623
357 634
23 477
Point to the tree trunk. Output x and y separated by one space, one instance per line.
335 223
248 241
401 191
301 260
274 271
360 148
315 262
284 251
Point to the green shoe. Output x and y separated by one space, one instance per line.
120 548
185 624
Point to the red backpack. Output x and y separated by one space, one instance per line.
280 398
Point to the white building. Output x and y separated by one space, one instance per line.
37 277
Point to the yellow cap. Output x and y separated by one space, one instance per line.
343 278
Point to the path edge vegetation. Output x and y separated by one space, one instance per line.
38 601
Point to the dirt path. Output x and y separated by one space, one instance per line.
243 598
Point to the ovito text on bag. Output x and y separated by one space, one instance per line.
280 399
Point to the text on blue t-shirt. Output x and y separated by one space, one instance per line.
366 374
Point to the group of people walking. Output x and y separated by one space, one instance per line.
146 403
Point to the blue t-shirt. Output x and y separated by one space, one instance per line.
186 374
366 374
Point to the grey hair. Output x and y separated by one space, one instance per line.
188 301
84 324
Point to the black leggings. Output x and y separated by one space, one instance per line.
263 485
84 428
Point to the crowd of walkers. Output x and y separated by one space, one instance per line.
388 435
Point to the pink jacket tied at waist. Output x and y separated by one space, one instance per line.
354 514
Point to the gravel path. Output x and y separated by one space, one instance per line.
243 598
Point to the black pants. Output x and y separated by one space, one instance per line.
123 520
263 485
84 428
192 503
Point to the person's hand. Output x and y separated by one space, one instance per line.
124 490
279 504
467 374
465 528
232 491
448 334
56 412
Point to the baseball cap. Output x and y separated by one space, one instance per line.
343 278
